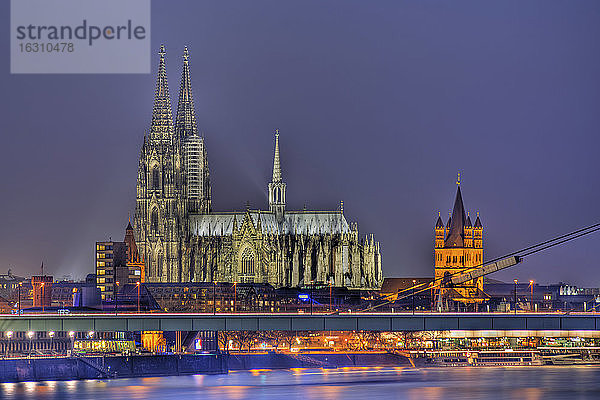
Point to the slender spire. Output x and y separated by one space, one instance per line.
439 223
276 164
478 222
162 115
456 226
185 122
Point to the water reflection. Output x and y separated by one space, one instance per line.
530 383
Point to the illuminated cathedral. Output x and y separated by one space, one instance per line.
182 240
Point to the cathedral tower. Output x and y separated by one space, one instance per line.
159 215
277 186
460 249
195 163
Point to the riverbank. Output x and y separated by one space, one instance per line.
110 367
273 360
107 367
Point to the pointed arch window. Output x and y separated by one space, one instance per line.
154 220
247 265
159 264
155 178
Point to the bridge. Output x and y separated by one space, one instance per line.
302 322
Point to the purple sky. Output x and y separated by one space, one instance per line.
378 103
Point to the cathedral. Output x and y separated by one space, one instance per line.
181 239
458 248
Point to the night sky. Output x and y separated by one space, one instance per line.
378 103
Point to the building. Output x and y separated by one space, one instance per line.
10 283
181 239
118 263
110 259
458 247
42 290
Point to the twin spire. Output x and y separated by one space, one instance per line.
185 121
162 116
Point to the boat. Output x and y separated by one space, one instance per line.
483 358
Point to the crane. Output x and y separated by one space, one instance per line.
486 268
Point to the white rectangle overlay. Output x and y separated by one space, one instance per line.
80 36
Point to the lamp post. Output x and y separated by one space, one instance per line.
214 302
51 334
30 336
330 297
413 296
43 299
138 299
516 281
116 296
20 285
234 297
531 295
72 336
9 336
311 297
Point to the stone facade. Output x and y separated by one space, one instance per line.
458 248
182 240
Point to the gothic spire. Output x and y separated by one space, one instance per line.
162 117
455 237
185 122
439 223
276 165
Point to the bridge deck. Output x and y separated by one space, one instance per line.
299 322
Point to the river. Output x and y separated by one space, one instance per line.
344 383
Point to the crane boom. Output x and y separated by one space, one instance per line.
482 271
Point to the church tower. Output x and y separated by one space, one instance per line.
159 215
195 163
277 186
459 248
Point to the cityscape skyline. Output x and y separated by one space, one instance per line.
411 123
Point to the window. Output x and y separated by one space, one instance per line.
155 178
247 262
154 220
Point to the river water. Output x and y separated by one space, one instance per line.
344 383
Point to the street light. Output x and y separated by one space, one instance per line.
116 297
51 334
43 300
234 297
9 336
311 297
72 336
531 297
30 336
214 303
330 297
516 281
20 285
413 296
138 299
